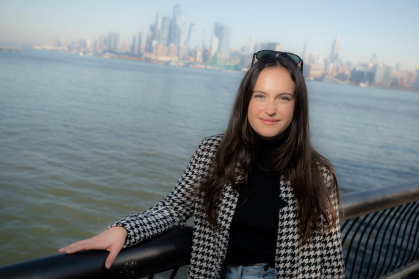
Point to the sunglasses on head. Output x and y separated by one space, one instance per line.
265 54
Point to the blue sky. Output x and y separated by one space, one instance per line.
387 28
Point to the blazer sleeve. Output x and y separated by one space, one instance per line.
175 208
332 256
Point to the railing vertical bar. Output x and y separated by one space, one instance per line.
172 276
382 242
349 230
409 206
344 225
346 235
417 249
410 233
406 226
414 241
404 234
360 241
395 242
368 240
352 241
376 237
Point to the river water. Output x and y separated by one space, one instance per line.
87 140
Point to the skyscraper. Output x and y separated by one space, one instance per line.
258 46
217 29
304 55
416 84
133 46
157 29
165 31
149 43
140 41
214 45
183 32
176 27
334 53
191 43
382 74
271 46
251 45
224 34
203 40
113 41
158 21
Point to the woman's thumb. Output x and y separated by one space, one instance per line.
111 257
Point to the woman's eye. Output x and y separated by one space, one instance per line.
259 96
285 99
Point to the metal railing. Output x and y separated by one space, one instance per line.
379 235
166 252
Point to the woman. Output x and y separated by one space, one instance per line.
236 185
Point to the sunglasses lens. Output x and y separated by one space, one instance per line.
264 54
294 58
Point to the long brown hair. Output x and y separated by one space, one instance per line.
296 159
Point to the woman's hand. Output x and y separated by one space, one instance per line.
111 240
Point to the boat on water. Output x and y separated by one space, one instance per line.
364 84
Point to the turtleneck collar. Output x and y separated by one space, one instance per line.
268 144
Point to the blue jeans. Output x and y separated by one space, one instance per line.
253 271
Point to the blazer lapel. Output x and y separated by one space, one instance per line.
288 244
226 209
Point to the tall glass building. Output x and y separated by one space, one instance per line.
165 31
176 27
191 44
112 42
224 34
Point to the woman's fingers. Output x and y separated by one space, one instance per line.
74 247
71 246
112 256
83 247
98 244
112 240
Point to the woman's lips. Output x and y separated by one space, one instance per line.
269 121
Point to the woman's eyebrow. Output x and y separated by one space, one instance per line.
279 94
285 93
254 91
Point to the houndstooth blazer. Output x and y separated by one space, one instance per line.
322 258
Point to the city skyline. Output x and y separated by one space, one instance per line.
385 31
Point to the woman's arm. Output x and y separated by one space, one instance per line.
176 208
171 212
332 258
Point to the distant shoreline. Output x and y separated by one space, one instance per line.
189 64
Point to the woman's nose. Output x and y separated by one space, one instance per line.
270 108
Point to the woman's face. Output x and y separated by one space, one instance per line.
271 106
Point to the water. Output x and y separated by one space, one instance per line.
86 140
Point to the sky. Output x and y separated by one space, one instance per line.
388 29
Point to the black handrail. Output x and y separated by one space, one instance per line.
365 202
171 250
168 251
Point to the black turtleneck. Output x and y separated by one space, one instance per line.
254 229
